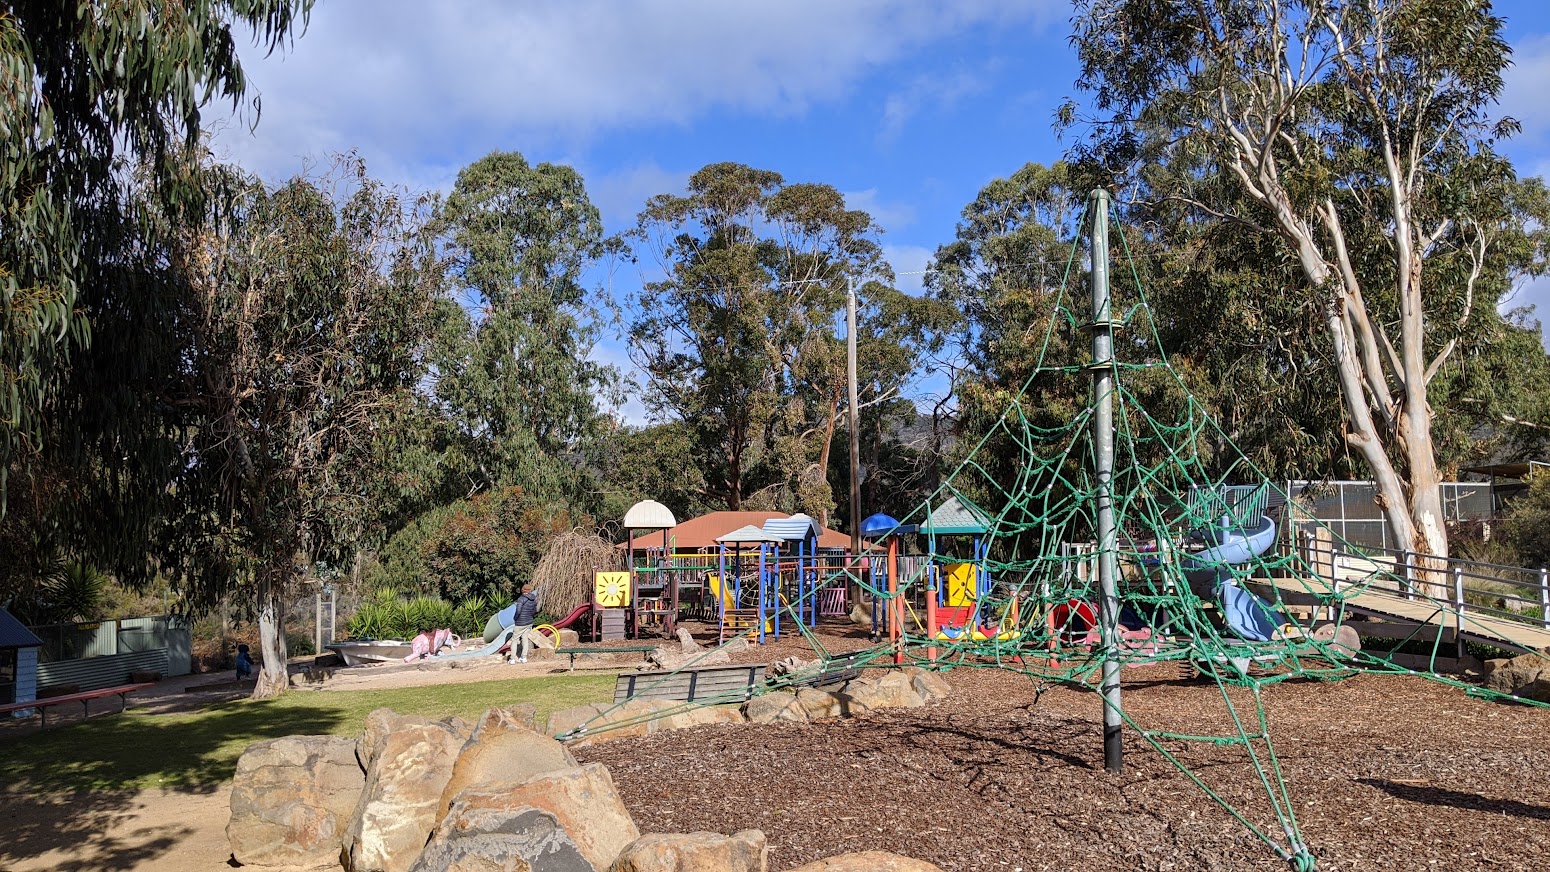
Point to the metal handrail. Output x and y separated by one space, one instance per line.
1512 593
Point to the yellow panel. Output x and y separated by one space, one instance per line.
611 590
960 584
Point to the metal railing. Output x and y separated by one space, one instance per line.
1513 593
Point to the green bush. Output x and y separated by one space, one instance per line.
387 615
1527 524
485 546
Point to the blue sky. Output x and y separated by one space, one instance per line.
907 106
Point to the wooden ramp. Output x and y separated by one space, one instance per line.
1380 600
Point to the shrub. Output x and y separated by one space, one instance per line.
387 615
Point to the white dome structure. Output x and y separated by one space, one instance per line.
649 515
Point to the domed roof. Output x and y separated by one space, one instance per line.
649 515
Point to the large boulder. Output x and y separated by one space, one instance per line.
1518 675
515 840
292 800
699 717
930 685
868 861
564 721
695 852
820 704
569 639
583 800
771 707
504 751
893 690
409 763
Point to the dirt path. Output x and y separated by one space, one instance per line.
161 830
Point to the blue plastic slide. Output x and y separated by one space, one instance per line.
1246 615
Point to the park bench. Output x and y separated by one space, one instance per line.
723 683
43 705
606 649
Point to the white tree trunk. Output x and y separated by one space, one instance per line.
273 677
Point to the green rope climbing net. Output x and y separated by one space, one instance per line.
1202 581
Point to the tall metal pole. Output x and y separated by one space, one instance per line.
1103 456
855 417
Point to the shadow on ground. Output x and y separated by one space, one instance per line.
74 789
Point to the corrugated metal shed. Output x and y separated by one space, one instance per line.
954 517
796 528
14 634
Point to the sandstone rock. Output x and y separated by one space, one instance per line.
569 638
410 762
772 707
518 840
891 691
583 801
791 666
522 715
861 613
292 800
504 751
695 852
819 704
564 721
930 685
736 646
697 717
868 861
1517 674
686 641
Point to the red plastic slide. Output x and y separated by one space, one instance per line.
574 616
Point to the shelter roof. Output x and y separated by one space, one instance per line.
749 533
14 634
796 528
649 515
1506 470
954 516
699 533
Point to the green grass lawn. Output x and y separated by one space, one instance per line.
136 750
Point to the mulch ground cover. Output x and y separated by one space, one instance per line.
1386 773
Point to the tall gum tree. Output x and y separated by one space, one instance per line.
1361 134
312 306
738 337
513 370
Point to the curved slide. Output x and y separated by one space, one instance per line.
1246 615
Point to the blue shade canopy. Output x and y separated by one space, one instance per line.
879 525
14 634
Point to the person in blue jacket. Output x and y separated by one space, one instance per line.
244 663
524 611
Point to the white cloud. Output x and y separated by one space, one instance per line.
887 215
452 80
909 262
1525 85
620 195
928 91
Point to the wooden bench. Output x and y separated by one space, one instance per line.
573 653
43 705
722 683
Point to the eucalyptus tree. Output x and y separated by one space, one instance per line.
89 89
513 370
310 318
738 337
1359 135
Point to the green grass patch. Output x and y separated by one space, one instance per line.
137 749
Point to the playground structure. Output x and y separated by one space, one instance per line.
1122 538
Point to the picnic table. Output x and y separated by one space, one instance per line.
42 706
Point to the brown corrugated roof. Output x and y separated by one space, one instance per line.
701 532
